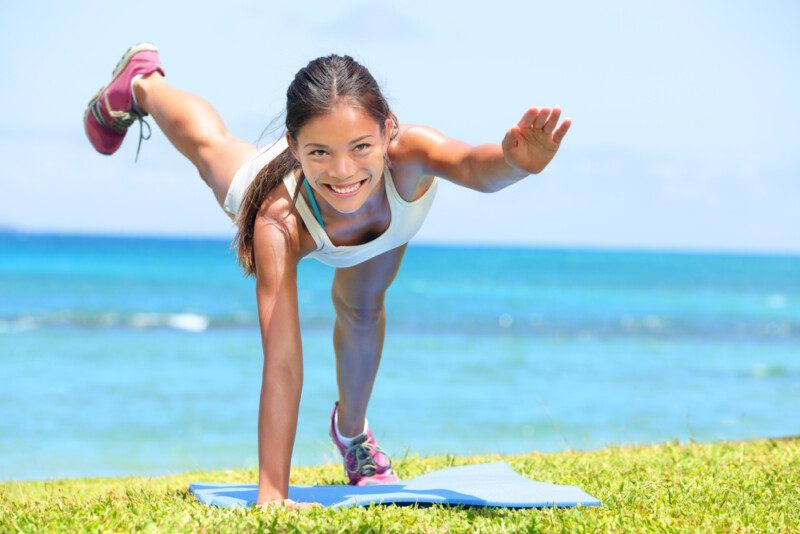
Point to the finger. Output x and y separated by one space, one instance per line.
294 505
541 118
289 504
512 138
551 123
285 503
562 130
528 118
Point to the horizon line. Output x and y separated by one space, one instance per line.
553 247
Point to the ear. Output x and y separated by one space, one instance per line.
292 146
387 132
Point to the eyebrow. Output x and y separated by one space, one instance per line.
326 146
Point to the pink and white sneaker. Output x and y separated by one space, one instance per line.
365 463
112 110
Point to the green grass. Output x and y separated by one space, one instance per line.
722 487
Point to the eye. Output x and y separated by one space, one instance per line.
362 147
319 152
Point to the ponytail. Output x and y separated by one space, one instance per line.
265 181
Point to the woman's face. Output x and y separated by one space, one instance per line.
342 156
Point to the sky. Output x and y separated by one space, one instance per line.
686 117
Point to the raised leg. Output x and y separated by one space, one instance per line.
358 297
195 128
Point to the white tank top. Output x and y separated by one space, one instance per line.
407 217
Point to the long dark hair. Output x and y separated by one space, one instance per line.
316 90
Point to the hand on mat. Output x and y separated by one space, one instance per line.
290 504
531 143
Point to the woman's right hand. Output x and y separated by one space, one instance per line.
289 504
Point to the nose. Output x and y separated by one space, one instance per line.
343 168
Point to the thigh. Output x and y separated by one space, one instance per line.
361 288
219 161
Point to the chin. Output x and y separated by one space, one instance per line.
354 203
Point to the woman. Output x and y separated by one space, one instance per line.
356 186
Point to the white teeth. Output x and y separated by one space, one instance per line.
346 190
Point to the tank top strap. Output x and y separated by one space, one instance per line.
313 200
400 202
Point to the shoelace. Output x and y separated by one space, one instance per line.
361 450
122 120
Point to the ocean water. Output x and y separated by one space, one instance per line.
123 356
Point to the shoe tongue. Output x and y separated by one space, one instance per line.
359 440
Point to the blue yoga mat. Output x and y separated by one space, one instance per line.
489 484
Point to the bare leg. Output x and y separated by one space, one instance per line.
358 294
196 130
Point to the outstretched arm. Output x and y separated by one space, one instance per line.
527 148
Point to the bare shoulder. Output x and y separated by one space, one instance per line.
411 143
279 231
408 154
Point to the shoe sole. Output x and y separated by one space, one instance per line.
121 64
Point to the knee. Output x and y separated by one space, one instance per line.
359 310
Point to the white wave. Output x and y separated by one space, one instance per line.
22 324
108 319
648 323
146 320
190 322
653 322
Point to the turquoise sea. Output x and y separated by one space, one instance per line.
123 356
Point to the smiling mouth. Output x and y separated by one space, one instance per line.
346 191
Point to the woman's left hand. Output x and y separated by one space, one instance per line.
531 143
